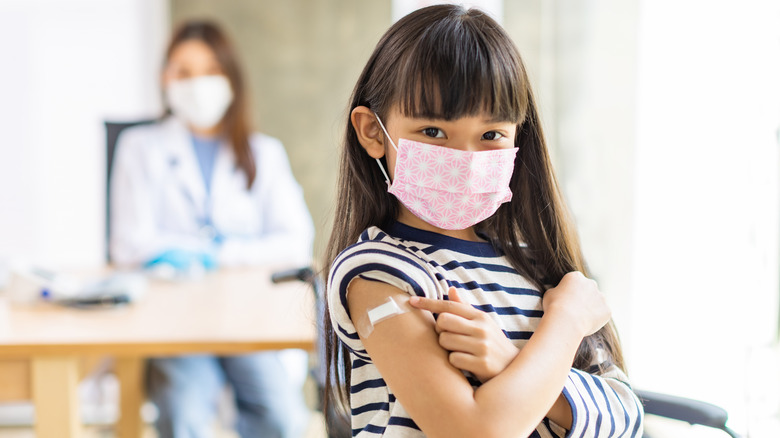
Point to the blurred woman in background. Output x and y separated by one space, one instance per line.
198 190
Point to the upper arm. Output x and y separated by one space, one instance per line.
406 352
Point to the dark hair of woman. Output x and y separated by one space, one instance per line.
235 124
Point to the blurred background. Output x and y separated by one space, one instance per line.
662 117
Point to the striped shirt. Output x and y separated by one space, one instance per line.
426 264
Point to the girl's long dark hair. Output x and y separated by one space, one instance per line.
445 62
235 124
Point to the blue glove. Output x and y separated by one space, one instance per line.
182 260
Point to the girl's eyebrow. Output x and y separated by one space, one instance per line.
427 120
498 120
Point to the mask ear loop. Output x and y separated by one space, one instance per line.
382 168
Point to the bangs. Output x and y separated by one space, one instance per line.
461 66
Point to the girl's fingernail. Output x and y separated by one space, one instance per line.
414 300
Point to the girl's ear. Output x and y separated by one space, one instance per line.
368 131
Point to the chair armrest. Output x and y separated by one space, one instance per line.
305 274
685 409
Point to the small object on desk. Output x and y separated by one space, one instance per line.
29 286
95 301
24 286
131 284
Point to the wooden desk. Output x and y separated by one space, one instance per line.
229 312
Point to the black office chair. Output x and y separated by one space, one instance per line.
113 129
693 412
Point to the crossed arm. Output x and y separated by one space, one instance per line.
513 400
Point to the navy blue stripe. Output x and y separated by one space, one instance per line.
574 412
411 248
391 398
518 335
430 250
348 335
626 418
453 264
394 272
449 266
585 406
439 241
370 407
510 310
364 235
401 421
355 250
346 254
369 428
357 363
371 249
597 382
407 249
600 414
374 383
485 252
637 430
490 287
361 354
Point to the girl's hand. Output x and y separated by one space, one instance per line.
578 297
476 344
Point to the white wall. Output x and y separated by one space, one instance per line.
705 276
403 7
68 65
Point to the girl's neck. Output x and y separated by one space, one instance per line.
406 217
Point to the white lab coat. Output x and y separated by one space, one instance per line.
159 201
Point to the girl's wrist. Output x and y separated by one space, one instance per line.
566 319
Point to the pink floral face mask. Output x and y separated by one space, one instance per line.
449 188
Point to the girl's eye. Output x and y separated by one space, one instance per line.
492 135
433 132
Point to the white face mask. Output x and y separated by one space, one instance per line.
200 101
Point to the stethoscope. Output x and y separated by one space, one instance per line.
206 228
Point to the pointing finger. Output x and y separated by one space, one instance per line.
444 306
453 294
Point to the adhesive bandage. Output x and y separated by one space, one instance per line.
390 308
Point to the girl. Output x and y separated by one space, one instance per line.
198 188
443 321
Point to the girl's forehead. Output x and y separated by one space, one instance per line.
481 116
